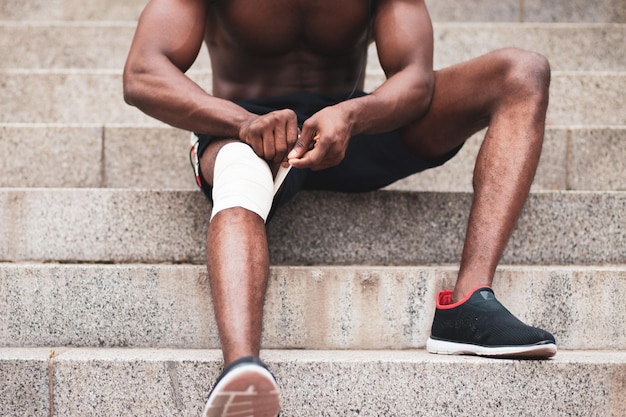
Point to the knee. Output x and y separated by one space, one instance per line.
241 179
525 76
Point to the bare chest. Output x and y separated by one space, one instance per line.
275 27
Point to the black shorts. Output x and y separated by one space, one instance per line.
371 161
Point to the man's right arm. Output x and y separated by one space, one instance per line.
167 41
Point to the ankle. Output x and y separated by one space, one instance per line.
460 294
466 285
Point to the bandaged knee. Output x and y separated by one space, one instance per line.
241 179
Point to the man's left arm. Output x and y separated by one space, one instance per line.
404 39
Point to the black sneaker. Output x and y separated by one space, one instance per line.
245 388
480 325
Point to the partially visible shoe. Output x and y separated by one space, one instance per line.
245 388
480 325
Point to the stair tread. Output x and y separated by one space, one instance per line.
104 45
573 158
98 382
307 307
102 282
381 227
440 10
71 96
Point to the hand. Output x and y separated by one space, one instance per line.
271 135
323 141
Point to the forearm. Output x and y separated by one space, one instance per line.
170 96
402 99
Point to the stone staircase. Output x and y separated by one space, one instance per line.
103 297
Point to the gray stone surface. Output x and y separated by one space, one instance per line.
457 174
112 382
145 382
74 96
34 155
589 47
24 382
105 305
99 225
576 98
480 10
575 11
528 11
319 307
147 158
96 97
385 227
440 10
94 45
576 158
423 387
410 228
69 96
71 9
596 159
571 302
65 44
589 99
68 74
569 225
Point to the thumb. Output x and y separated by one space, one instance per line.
303 144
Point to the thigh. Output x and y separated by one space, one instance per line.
372 162
464 99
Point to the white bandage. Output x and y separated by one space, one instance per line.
241 179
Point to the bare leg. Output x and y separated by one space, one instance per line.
508 91
238 267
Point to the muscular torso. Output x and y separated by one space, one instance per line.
273 47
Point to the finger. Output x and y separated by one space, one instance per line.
313 157
292 132
292 143
280 143
286 134
255 140
305 161
304 142
269 149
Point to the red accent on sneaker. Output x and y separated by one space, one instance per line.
444 298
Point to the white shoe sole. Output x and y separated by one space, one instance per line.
453 348
247 391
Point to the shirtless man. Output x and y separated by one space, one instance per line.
286 92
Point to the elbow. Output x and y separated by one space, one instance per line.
425 91
130 88
133 84
429 86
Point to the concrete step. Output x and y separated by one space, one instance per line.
45 10
598 46
528 11
104 45
440 10
315 307
80 96
164 382
384 227
577 158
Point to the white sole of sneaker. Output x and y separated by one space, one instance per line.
246 391
528 351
